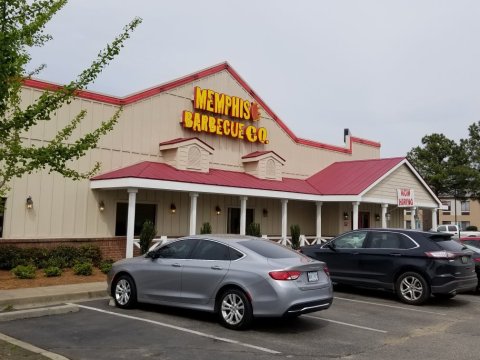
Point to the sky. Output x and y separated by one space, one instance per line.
390 71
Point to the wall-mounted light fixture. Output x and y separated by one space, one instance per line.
101 205
218 210
345 215
29 202
377 217
388 217
265 212
173 208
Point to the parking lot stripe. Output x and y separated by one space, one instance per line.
346 324
231 341
391 306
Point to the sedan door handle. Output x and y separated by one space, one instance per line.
216 267
176 265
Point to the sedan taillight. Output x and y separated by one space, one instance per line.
285 275
327 271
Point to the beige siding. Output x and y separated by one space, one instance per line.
401 178
64 208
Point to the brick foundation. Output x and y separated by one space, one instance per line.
111 248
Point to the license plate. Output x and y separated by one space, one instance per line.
464 259
312 276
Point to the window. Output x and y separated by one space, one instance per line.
464 225
447 205
465 206
177 250
386 240
351 240
143 212
211 250
269 249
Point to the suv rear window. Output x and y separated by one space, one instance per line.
269 249
447 244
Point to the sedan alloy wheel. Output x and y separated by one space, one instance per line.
235 310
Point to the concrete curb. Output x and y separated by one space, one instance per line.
35 297
39 312
32 348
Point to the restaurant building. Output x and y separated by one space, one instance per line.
206 148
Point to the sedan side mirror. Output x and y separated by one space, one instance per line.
152 255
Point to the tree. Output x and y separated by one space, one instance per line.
434 161
21 27
472 147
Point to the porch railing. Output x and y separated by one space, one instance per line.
304 240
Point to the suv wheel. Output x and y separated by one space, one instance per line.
412 288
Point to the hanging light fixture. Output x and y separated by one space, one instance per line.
29 202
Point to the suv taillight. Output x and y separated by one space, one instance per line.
441 254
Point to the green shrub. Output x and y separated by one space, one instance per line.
35 256
24 271
52 271
254 229
83 268
65 256
106 266
89 253
10 256
206 228
146 236
471 228
295 233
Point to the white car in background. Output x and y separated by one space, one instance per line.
455 231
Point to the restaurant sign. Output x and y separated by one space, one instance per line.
405 198
211 109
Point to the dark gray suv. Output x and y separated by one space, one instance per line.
413 264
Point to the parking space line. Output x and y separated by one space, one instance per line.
391 306
346 324
231 341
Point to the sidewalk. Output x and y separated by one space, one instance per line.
47 295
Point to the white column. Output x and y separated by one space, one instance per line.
243 214
384 215
412 219
434 219
284 221
319 219
193 213
132 197
355 214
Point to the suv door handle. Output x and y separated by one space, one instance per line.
176 265
216 267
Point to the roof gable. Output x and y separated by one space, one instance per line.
351 177
225 66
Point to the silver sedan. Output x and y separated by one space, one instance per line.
236 277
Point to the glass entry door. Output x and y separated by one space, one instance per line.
233 224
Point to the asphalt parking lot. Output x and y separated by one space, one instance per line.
359 325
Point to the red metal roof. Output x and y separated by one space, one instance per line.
260 153
161 171
351 177
341 178
180 140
